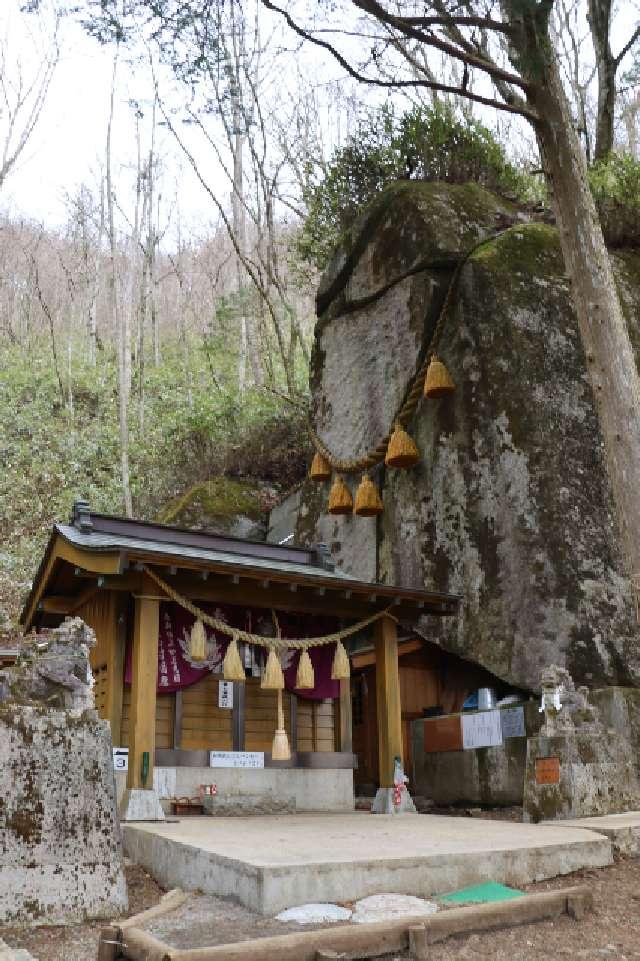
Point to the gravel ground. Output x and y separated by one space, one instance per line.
612 931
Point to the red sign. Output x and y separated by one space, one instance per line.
548 770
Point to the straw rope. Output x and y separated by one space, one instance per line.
407 408
297 643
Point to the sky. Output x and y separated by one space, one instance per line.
68 146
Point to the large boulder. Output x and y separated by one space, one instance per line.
510 504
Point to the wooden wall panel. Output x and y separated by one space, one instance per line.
165 706
260 716
317 725
204 724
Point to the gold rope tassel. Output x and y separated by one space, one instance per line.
305 676
340 499
232 666
368 501
280 750
320 468
273 678
341 669
402 451
438 382
198 642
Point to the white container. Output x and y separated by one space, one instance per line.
486 698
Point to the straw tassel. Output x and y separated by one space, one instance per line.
340 499
198 642
368 502
305 677
438 381
280 750
402 451
273 678
320 468
341 669
232 666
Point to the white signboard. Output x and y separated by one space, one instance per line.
121 759
225 694
236 759
481 730
512 719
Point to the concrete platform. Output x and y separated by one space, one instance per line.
623 830
275 862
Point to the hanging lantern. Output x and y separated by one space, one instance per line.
232 666
368 502
438 381
273 678
402 451
320 468
305 677
340 669
340 499
198 642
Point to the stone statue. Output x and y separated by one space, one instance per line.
53 669
565 708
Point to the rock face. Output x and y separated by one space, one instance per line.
510 505
60 847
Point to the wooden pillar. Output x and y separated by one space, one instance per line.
345 739
387 698
116 666
142 726
238 716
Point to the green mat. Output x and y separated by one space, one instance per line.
490 891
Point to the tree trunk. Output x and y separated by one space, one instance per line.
609 355
599 18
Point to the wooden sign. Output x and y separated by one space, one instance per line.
547 770
442 734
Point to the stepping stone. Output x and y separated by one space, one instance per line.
383 907
315 914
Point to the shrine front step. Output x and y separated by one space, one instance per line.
623 830
247 805
272 862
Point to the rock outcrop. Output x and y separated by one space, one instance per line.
510 505
60 847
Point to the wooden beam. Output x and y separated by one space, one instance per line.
345 737
177 721
142 724
368 657
387 698
103 562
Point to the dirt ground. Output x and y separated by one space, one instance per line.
612 931
79 942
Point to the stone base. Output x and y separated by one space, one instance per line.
140 805
383 802
244 805
14 954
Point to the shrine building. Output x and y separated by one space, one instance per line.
142 587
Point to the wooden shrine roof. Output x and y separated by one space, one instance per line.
98 551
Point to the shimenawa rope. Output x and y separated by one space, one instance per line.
407 409
297 643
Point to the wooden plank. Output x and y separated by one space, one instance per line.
345 735
142 725
238 715
387 698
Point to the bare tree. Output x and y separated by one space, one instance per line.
607 63
120 316
23 92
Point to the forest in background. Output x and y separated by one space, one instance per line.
138 360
